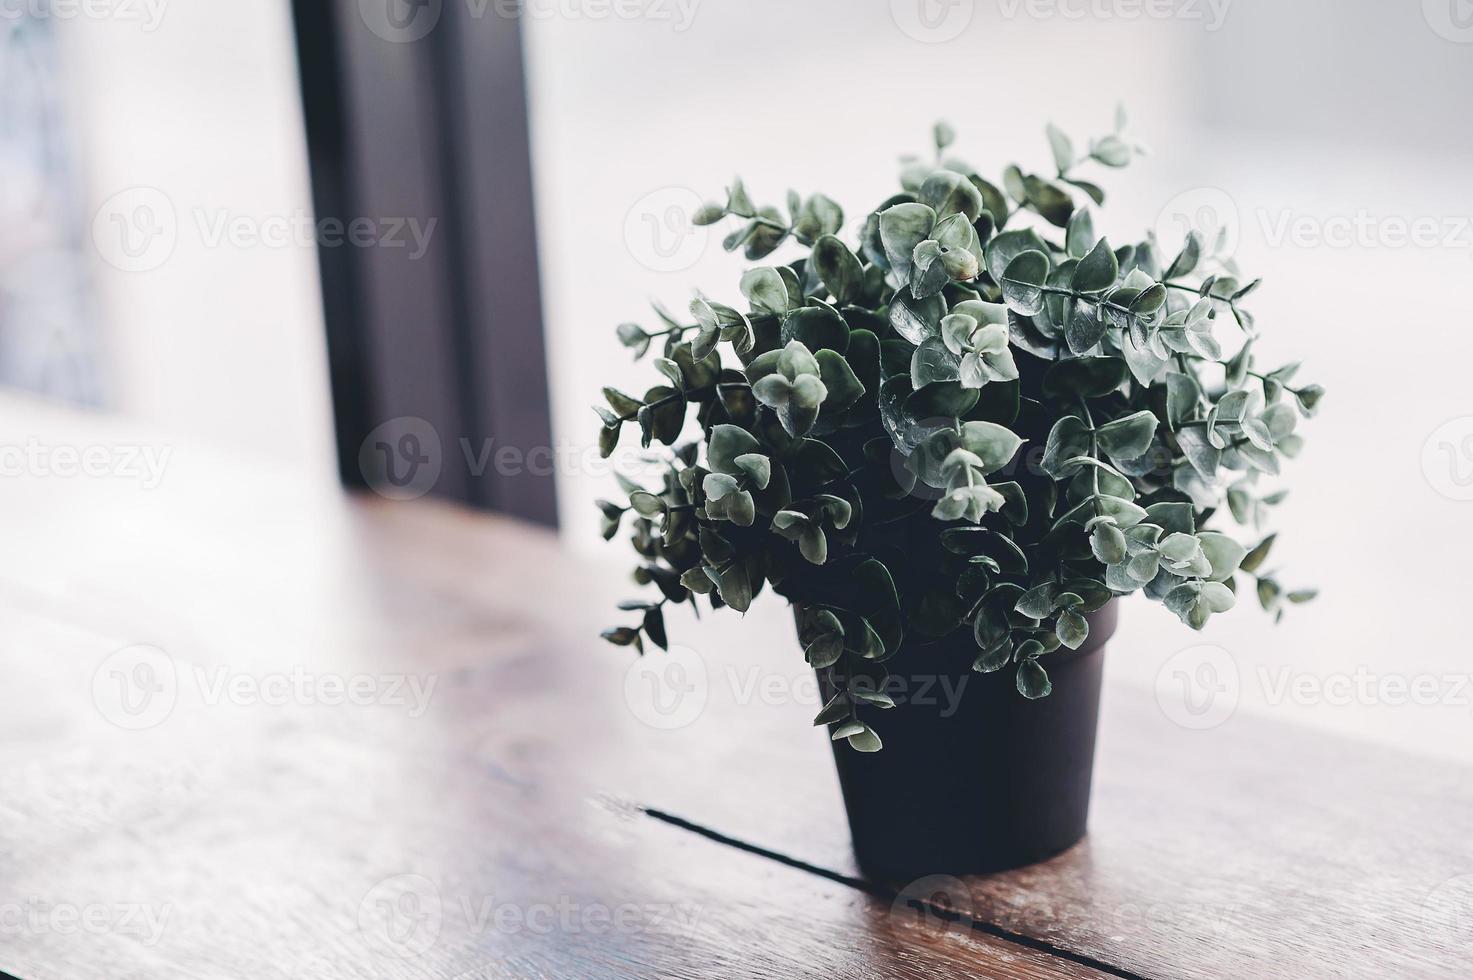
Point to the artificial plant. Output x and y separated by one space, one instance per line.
976 415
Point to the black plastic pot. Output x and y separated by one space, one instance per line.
974 777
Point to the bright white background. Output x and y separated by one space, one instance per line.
1310 118
192 107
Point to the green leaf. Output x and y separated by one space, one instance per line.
1149 300
727 443
1097 271
844 389
774 391
621 403
995 445
1107 542
766 291
670 370
1038 602
729 503
1083 331
1062 147
1022 282
1033 682
633 336
735 587
1182 395
864 740
825 651
943 135
947 192
608 441
875 593
1009 245
933 362
1204 457
1072 629
1255 558
878 699
1130 437
1084 377
813 544
1069 439
646 504
1112 151
929 273
838 269
817 328
1217 597
1172 517
1049 200
716 486
757 467
1079 236
902 228
1309 398
835 710
696 580
1225 554
1187 259
993 200
945 399
916 319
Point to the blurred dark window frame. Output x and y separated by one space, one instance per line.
431 128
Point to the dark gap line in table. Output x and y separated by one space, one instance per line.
889 894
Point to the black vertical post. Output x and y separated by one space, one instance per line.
420 115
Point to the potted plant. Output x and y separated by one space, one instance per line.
951 442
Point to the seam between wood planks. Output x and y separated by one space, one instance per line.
889 894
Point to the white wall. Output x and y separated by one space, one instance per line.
191 113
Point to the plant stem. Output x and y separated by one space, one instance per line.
685 393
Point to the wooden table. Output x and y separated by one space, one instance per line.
252 728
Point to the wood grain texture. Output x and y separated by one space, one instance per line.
515 776
357 845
